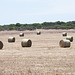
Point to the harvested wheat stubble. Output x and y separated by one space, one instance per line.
1 45
38 33
64 34
11 39
69 38
21 34
64 43
26 43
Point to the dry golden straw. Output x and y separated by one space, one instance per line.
64 34
11 39
26 43
21 34
38 33
64 43
1 45
69 38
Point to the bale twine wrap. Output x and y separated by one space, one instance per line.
69 38
11 39
64 34
38 33
64 43
26 43
1 45
21 34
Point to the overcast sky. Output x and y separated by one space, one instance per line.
36 11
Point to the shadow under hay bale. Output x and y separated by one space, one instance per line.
11 39
64 34
1 45
21 34
69 38
64 43
26 43
38 33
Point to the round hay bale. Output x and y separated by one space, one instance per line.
26 43
69 38
1 45
64 34
64 43
11 39
38 33
21 34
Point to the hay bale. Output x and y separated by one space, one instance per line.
11 39
69 38
1 45
38 33
64 43
21 34
26 43
64 34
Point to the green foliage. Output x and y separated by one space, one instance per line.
44 25
18 25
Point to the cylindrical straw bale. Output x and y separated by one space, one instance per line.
64 34
1 45
26 43
69 38
38 33
64 43
21 34
11 39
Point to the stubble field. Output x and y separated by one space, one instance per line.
44 57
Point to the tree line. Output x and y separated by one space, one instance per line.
44 25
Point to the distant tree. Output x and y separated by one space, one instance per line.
44 25
59 22
18 25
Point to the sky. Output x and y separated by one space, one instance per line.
36 11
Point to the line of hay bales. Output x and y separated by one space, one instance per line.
28 43
67 41
24 42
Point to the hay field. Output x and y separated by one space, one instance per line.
44 57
